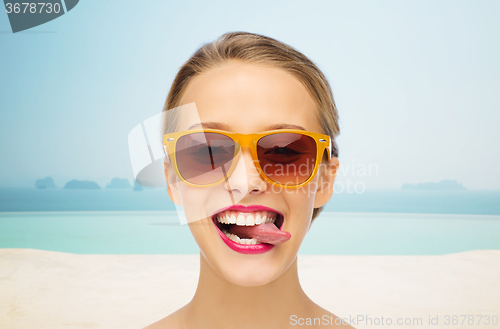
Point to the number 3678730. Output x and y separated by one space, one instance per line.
32 8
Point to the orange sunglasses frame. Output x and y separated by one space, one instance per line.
323 142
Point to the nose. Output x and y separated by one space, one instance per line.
245 178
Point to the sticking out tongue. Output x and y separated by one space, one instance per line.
264 233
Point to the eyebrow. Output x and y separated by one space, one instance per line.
285 126
210 125
221 126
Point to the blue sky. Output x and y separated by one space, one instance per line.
415 83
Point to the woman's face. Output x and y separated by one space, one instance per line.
248 98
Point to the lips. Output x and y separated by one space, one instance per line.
250 229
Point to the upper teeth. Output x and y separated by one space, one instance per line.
246 219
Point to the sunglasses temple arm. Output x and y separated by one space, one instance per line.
330 149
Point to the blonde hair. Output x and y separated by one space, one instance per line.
259 49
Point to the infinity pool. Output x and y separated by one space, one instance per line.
159 232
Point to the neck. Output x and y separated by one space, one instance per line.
219 303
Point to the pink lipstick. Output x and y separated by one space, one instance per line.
257 227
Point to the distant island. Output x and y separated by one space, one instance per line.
119 183
47 182
442 185
82 184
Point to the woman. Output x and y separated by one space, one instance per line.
263 134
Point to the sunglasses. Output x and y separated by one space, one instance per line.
285 157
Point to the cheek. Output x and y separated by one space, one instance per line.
202 202
198 206
301 200
301 205
193 201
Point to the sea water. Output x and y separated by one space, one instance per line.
159 232
391 201
128 222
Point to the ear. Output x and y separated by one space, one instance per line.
172 188
327 174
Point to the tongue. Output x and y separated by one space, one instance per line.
264 233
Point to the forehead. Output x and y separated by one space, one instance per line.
249 98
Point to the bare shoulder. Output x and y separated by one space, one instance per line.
173 321
328 318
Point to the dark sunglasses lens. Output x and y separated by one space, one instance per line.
204 158
287 158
